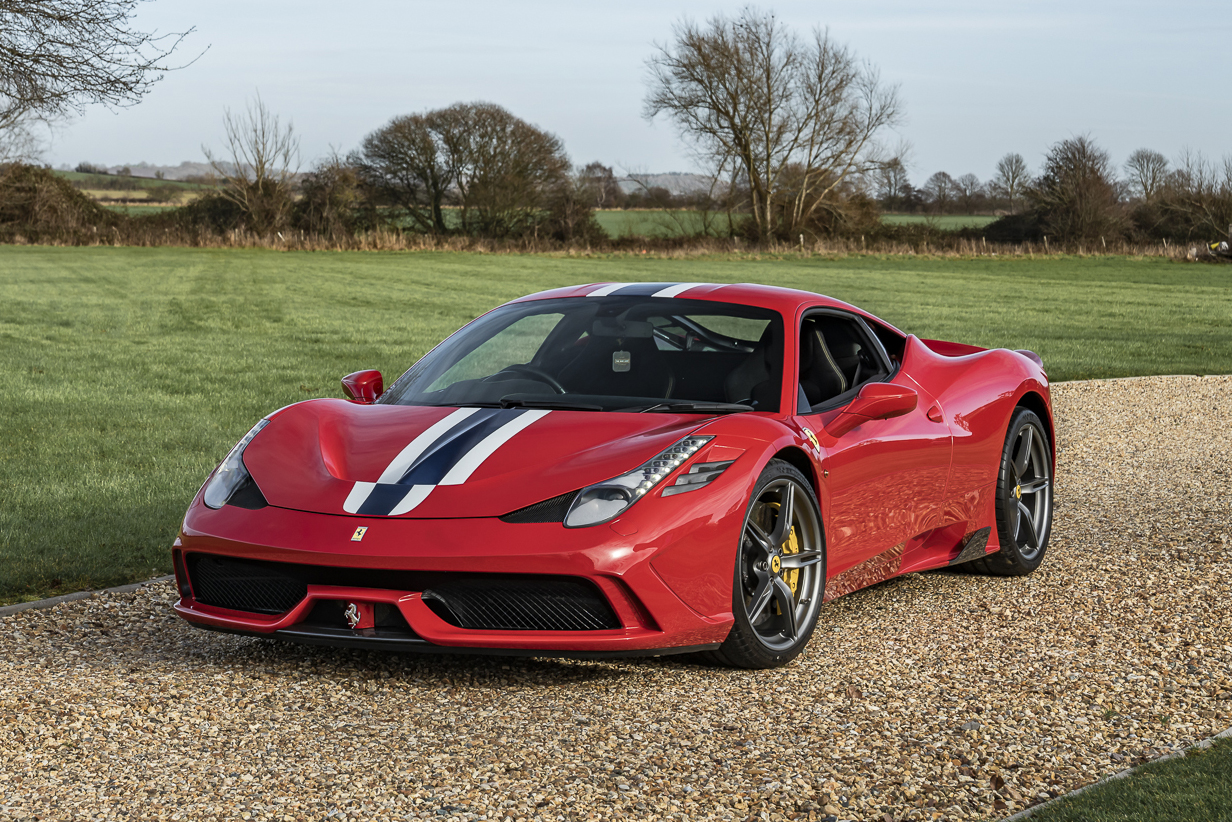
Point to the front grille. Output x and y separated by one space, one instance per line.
243 586
521 604
479 602
550 510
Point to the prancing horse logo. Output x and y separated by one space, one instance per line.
352 614
359 533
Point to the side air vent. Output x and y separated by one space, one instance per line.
550 510
243 586
513 604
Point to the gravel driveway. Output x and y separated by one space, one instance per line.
935 696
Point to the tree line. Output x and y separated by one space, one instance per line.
1079 194
793 132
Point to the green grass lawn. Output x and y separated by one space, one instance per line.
126 373
949 222
1197 788
660 223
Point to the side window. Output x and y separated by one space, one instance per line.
837 356
891 341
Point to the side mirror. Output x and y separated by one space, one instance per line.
876 401
363 387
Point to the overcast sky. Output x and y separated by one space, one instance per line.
978 79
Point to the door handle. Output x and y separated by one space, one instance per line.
935 414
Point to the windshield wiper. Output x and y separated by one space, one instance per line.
692 407
563 405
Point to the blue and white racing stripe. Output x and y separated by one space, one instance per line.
447 453
647 289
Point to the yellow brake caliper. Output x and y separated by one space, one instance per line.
791 546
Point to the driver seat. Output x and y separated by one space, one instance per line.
820 377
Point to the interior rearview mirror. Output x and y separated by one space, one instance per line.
363 387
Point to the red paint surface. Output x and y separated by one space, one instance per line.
896 495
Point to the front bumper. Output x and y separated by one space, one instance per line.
664 596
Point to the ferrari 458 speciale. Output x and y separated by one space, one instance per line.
625 469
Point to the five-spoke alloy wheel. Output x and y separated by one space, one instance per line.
780 572
1024 498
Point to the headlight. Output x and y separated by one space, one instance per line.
231 473
606 500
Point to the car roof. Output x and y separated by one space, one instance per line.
787 301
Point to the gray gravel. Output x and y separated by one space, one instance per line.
937 696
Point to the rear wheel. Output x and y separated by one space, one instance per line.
780 572
1024 499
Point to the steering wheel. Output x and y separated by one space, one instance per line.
537 373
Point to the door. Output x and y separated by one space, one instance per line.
885 478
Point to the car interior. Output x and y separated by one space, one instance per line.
622 354
837 357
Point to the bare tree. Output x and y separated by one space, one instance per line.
940 189
59 55
1011 180
413 161
1197 196
508 170
749 93
1077 196
891 181
259 165
1146 172
499 170
968 191
23 139
599 184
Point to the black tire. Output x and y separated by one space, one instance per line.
1024 499
780 573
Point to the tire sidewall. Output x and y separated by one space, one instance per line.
1011 555
743 646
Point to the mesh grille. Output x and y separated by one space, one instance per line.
243 586
550 510
510 604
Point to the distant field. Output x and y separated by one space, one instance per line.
126 373
109 181
944 221
657 223
137 210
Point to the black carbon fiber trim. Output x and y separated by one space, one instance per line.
974 548
550 510
243 586
513 604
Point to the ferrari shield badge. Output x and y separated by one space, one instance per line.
358 536
808 432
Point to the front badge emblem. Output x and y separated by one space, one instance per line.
352 614
358 536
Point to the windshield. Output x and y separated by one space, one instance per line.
606 354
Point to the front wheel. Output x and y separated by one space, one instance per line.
1024 499
780 572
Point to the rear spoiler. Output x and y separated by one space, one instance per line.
953 349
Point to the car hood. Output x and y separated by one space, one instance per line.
336 457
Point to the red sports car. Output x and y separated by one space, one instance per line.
625 469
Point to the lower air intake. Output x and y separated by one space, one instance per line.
243 586
511 604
